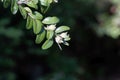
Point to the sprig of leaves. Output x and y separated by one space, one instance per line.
43 27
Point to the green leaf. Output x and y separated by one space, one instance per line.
6 3
46 2
45 5
50 34
40 37
44 9
37 26
50 20
29 23
38 15
47 44
28 9
35 1
23 12
32 4
61 29
14 6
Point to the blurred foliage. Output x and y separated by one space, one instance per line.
93 53
109 23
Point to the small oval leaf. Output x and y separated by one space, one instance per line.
37 26
14 6
46 2
23 12
38 15
28 9
61 29
50 34
50 20
29 23
32 4
40 37
47 44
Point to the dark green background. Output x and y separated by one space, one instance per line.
89 57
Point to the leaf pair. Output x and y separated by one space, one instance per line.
40 37
35 23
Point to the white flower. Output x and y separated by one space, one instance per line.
51 27
62 38
59 39
64 35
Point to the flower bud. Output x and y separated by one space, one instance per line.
51 27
